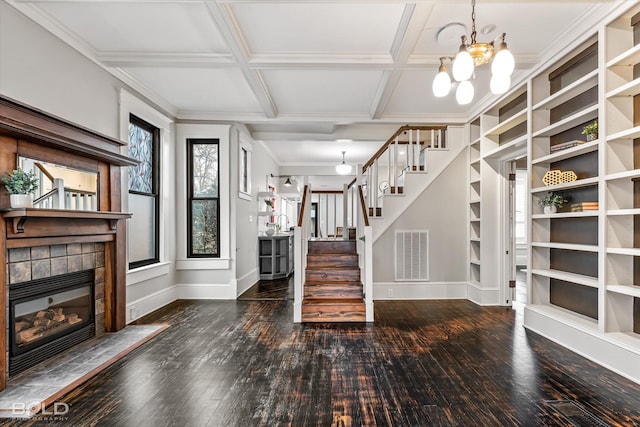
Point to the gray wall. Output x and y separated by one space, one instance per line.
38 69
246 211
441 209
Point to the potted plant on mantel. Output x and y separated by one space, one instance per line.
21 185
591 131
551 202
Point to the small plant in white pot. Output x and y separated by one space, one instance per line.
551 202
21 185
591 131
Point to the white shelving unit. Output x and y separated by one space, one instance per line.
474 202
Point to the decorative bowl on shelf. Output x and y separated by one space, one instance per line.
270 231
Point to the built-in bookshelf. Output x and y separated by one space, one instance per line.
583 272
474 202
565 246
622 174
505 126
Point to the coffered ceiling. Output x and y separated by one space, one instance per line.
304 74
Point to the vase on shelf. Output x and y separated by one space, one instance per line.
21 201
550 209
591 137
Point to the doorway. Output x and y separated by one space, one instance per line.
516 233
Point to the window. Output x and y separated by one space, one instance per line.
144 200
203 200
521 195
244 170
244 175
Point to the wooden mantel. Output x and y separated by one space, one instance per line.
56 226
27 131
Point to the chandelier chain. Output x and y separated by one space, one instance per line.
473 21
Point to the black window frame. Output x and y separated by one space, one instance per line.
190 198
155 188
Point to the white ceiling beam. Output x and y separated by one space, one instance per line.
230 31
166 59
414 20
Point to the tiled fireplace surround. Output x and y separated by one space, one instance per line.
39 262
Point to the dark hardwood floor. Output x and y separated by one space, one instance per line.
423 363
266 290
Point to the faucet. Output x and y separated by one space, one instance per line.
277 222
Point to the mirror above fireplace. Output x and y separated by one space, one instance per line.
61 186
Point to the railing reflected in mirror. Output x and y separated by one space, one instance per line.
62 187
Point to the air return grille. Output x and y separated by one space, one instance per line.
412 255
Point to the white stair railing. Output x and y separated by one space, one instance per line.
301 236
406 150
364 235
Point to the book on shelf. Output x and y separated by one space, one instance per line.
585 206
565 145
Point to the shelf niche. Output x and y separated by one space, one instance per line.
580 65
583 263
506 112
577 298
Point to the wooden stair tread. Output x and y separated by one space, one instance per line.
323 301
346 283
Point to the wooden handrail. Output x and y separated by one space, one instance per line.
352 183
384 147
304 203
44 171
45 196
363 206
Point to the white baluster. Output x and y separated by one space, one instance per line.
394 173
410 161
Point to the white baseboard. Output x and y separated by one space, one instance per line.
297 312
419 290
247 281
151 303
206 291
607 349
483 296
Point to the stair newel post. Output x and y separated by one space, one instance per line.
368 273
345 211
335 215
301 235
356 195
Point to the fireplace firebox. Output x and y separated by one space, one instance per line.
48 316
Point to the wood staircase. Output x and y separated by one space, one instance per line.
333 291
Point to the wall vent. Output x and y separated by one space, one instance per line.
412 256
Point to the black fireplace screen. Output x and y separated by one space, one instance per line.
50 315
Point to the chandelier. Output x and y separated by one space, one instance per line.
473 55
343 168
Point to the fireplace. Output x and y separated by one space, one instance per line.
48 316
38 243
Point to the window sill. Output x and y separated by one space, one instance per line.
245 196
147 272
203 264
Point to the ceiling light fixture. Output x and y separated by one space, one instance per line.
473 55
343 168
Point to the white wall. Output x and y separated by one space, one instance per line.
245 212
38 69
440 209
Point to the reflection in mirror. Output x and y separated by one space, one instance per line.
62 187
